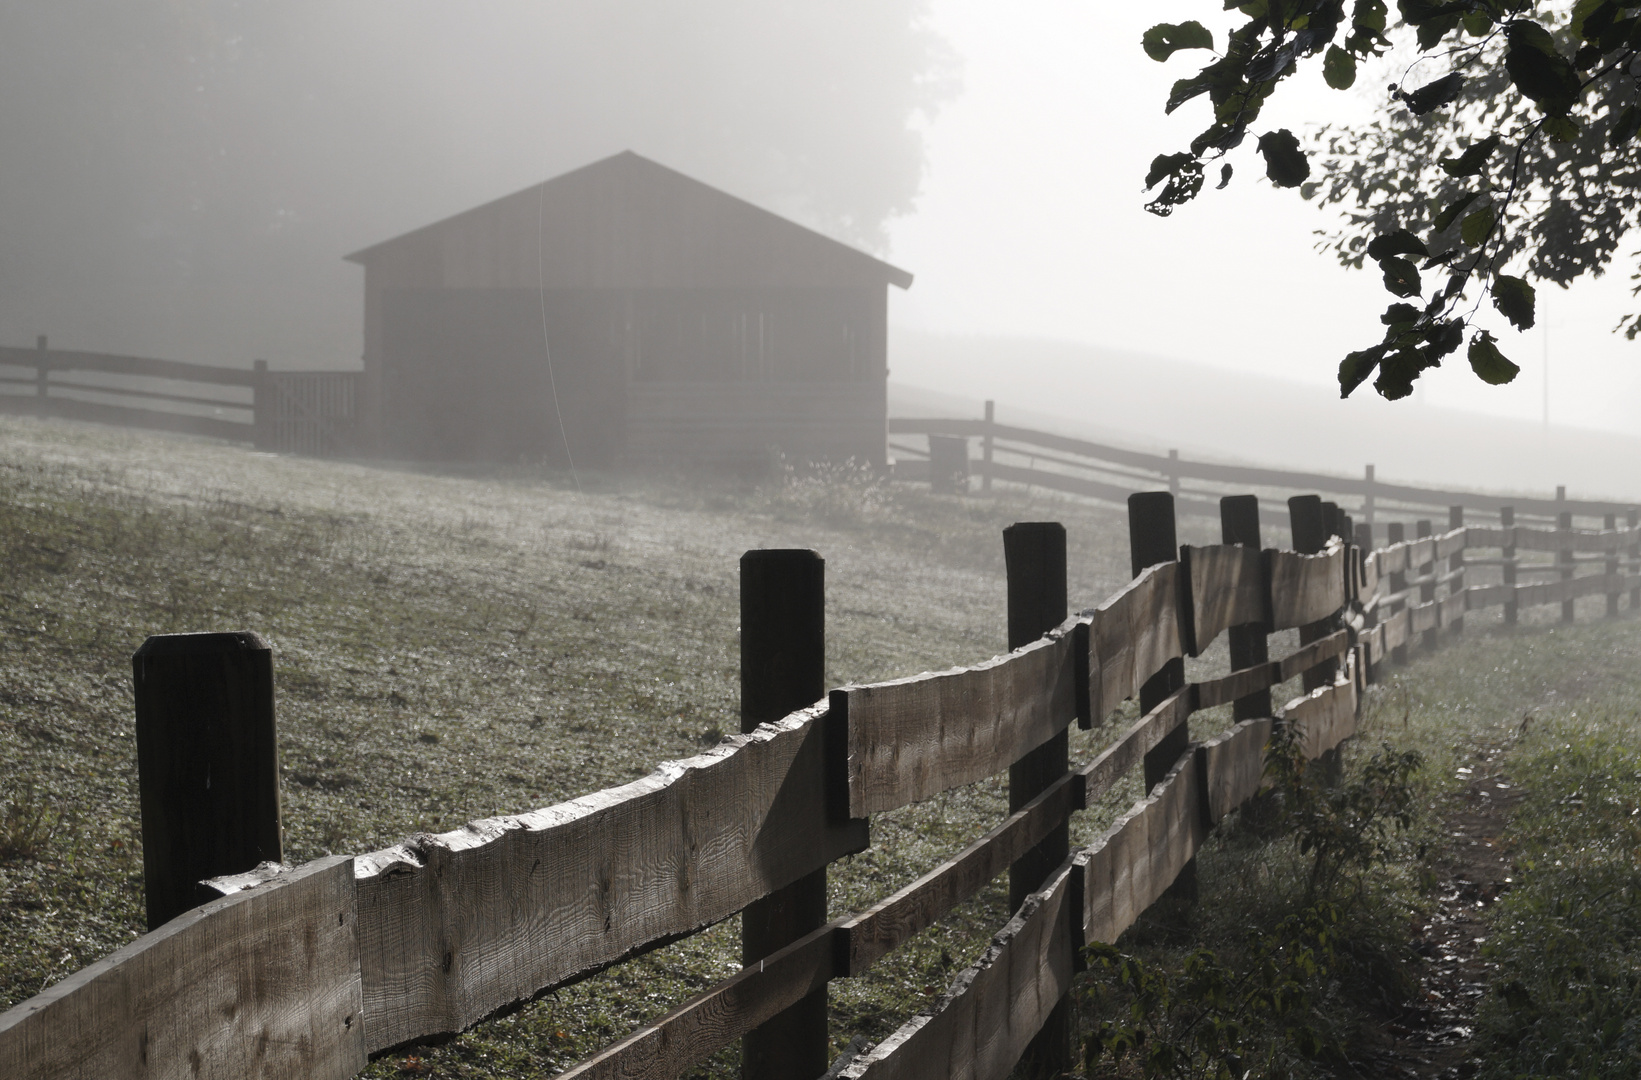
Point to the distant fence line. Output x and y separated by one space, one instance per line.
1097 470
313 970
308 412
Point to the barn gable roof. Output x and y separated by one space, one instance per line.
623 222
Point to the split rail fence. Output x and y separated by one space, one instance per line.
310 971
303 412
956 449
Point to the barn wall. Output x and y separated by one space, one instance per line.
465 375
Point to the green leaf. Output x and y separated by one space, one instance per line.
1164 39
1538 70
1477 23
1487 362
1401 277
1164 165
1434 95
1370 15
1515 300
1625 127
1473 160
1581 11
1478 226
1400 242
1450 213
1285 164
1339 68
1561 129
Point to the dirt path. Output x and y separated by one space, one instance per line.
1431 1037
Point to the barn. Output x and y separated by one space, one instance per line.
624 312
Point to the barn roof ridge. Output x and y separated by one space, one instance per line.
892 274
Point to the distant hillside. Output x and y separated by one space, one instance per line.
1151 403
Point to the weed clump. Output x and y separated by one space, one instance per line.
1272 996
28 822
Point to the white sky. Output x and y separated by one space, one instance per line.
1032 223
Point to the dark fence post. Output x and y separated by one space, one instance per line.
986 447
42 366
1034 554
1396 533
1610 523
207 764
1564 523
1152 539
1427 585
1249 644
1307 521
783 668
1455 566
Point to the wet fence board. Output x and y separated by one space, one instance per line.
979 1029
1227 583
260 984
1148 731
1305 588
1327 716
717 1017
456 927
1139 857
913 738
1131 636
884 926
1232 765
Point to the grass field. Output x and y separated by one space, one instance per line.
453 646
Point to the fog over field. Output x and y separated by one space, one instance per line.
182 180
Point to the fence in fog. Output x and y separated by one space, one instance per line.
1042 459
305 412
310 971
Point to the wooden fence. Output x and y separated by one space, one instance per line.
1017 455
305 412
310 971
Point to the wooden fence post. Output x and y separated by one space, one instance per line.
1507 521
1635 557
1610 523
1034 554
262 407
1330 521
1455 566
783 668
1308 524
42 366
1367 498
1564 523
1152 539
986 447
207 764
1396 533
1249 644
1427 586
1370 616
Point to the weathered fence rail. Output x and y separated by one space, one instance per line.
310 971
307 412
1100 471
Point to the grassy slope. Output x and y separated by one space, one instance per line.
450 647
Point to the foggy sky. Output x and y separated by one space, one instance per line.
182 177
